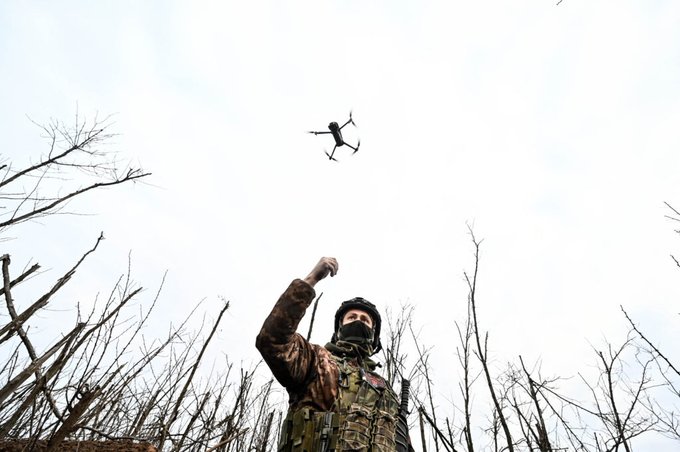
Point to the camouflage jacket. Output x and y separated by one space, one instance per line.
308 371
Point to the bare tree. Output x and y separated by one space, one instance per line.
482 351
103 380
76 162
533 413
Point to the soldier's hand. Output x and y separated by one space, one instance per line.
326 266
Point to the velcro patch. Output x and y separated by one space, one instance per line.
375 380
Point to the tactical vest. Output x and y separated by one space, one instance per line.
363 418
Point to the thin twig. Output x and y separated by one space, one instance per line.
311 322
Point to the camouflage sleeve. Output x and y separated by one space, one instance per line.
289 356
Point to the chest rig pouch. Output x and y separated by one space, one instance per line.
363 418
306 430
369 408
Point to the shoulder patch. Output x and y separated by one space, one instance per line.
375 380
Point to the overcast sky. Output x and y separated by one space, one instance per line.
553 130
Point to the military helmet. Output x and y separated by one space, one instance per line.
364 305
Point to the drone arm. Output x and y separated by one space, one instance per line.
348 121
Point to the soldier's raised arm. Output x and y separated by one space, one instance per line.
289 356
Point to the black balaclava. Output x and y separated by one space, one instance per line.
356 332
354 339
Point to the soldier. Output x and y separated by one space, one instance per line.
336 400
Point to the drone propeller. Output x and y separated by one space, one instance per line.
330 156
349 121
356 149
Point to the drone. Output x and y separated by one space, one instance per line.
335 130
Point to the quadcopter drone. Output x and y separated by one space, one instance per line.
335 130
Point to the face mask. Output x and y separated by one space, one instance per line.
356 332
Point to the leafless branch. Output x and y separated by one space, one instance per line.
311 321
481 352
